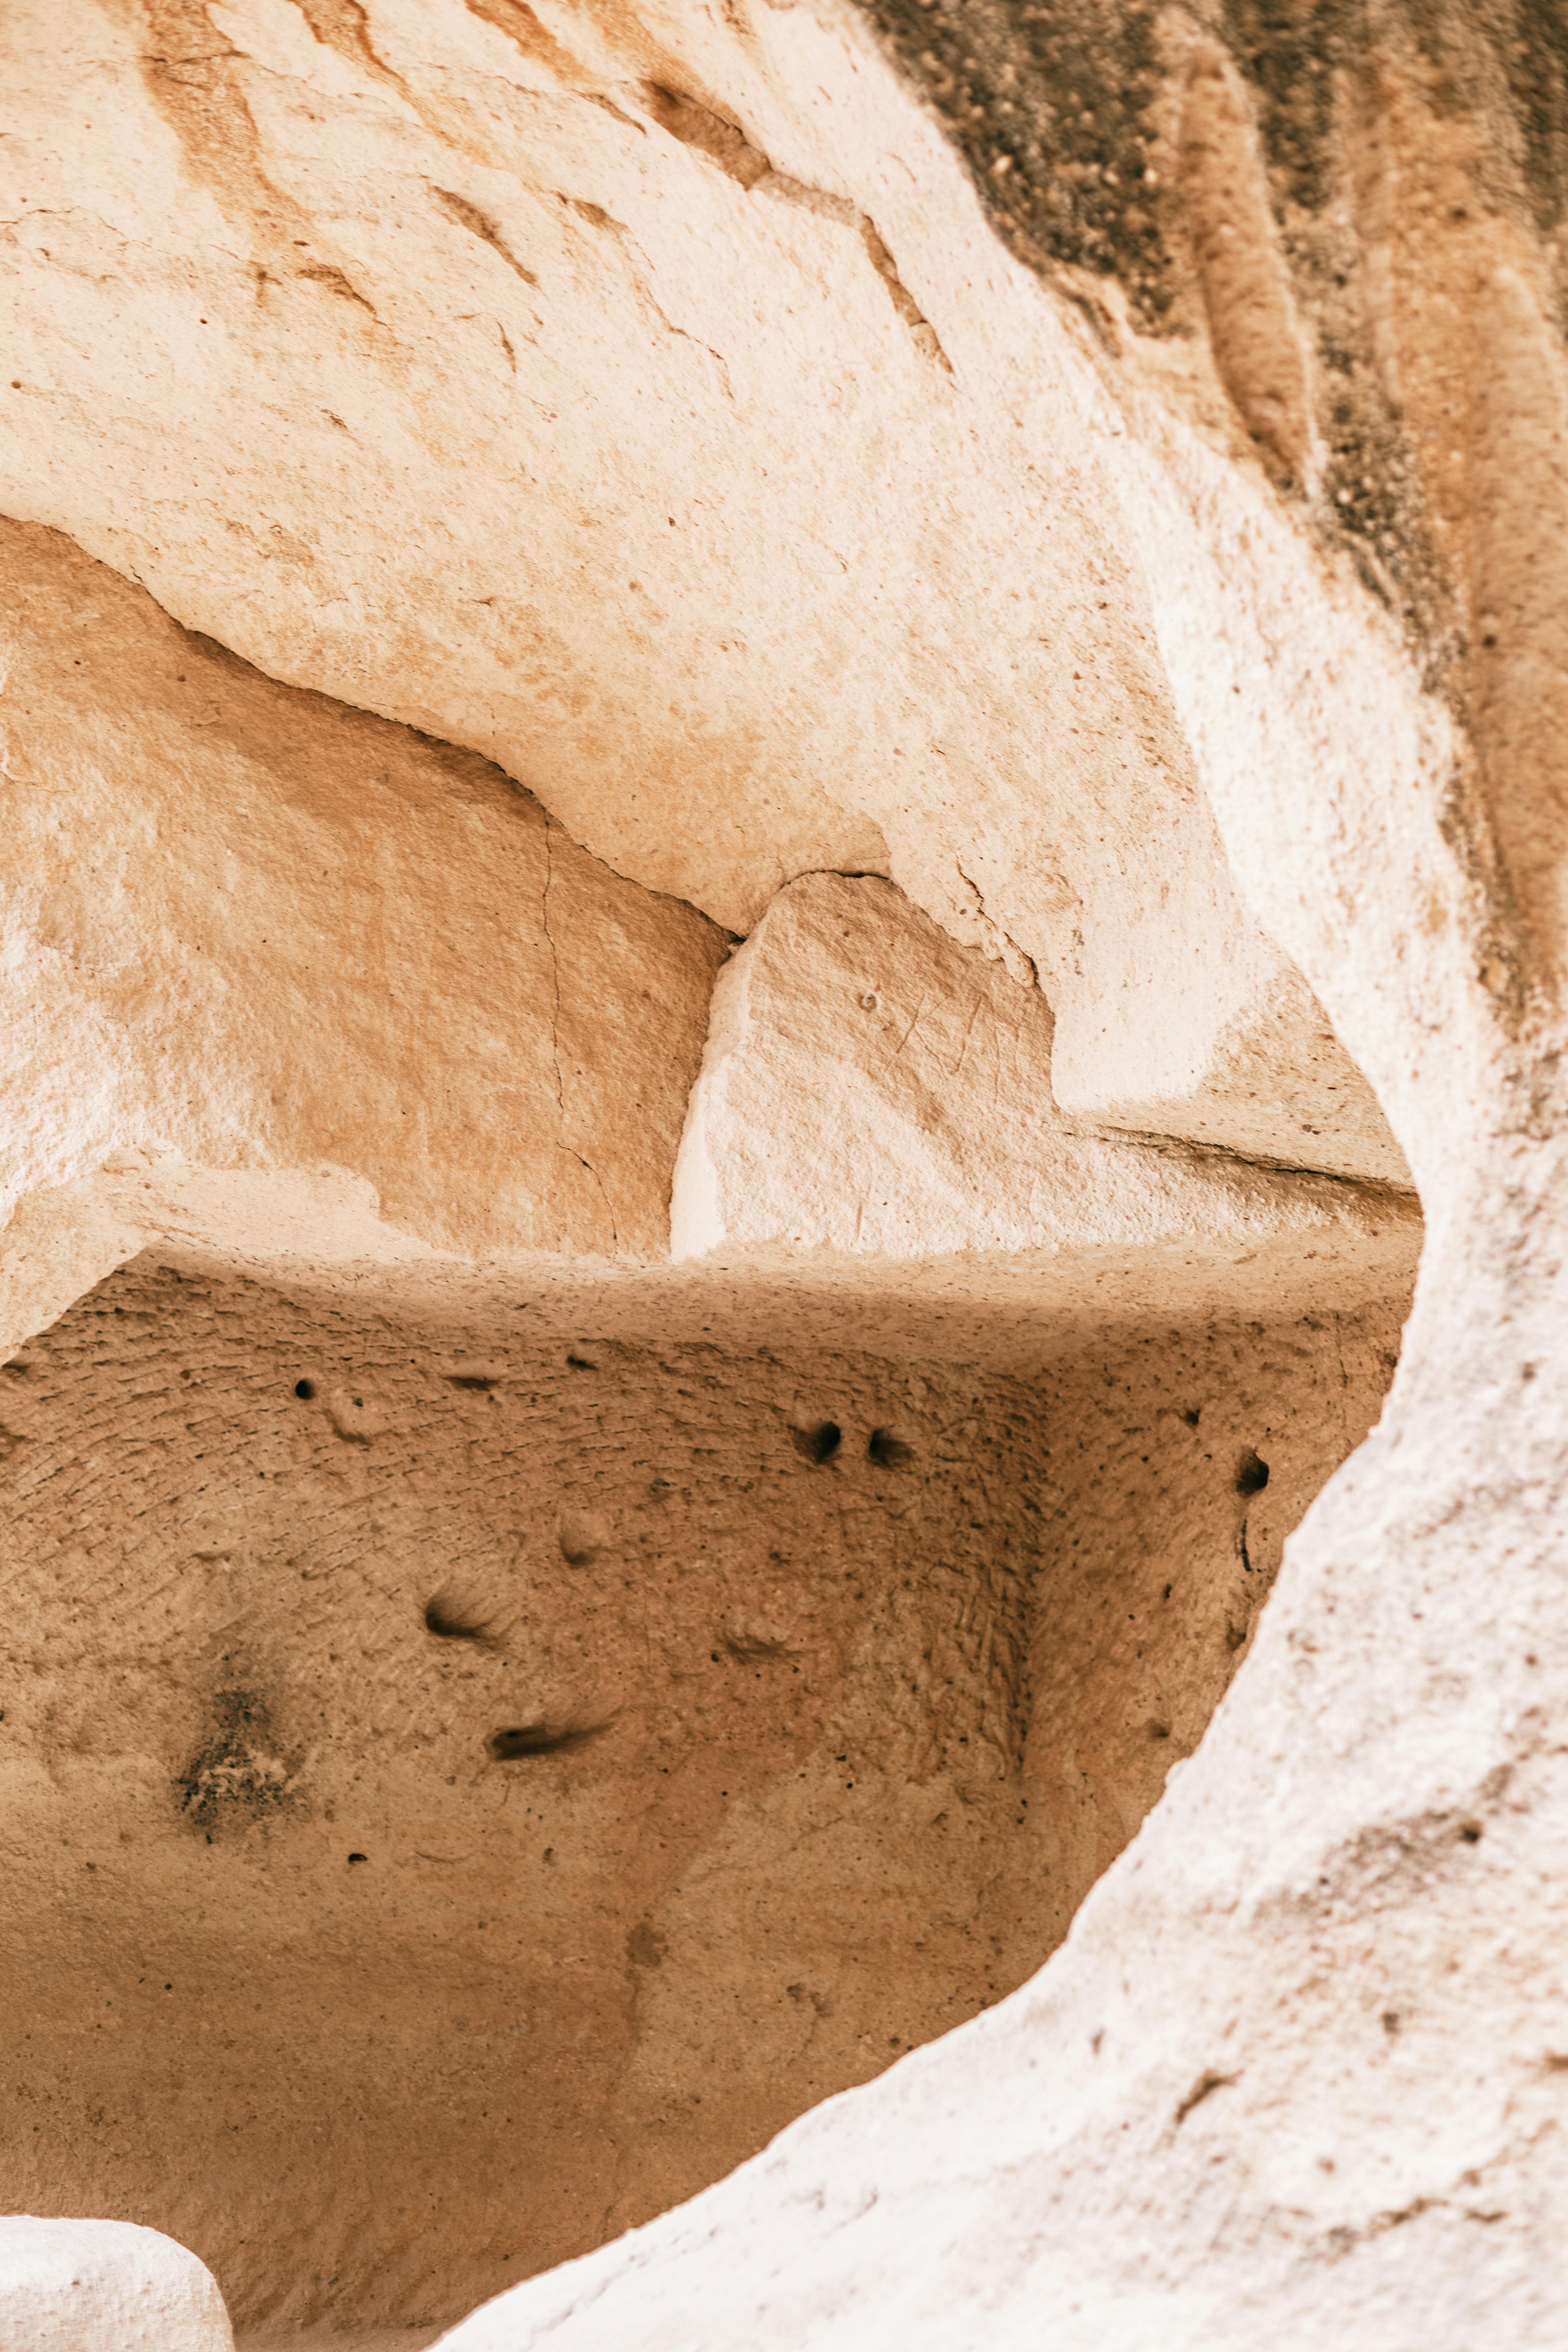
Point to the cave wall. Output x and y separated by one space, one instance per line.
244 930
507 503
456 1812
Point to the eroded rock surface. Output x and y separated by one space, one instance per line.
253 929
471 1776
1100 471
643 401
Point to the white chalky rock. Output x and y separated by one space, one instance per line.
104 2287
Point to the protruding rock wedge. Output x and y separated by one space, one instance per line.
104 2287
869 1085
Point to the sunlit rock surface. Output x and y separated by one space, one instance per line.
646 404
869 1086
104 2287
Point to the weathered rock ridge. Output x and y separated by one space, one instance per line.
868 1087
246 931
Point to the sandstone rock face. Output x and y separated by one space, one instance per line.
243 929
487 1760
444 339
1050 520
104 2287
869 1086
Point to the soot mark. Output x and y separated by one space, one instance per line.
235 1773
818 1444
889 1452
646 1947
519 1739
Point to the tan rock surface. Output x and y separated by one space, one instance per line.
1296 2074
869 1086
730 487
258 932
450 1890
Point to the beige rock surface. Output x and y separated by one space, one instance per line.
425 353
103 2287
1296 2074
316 2339
869 1086
258 932
1101 472
450 1887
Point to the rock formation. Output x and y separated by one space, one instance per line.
785 801
104 2287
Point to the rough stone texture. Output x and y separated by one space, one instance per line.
466 1807
1102 472
1296 2075
869 1086
65 1238
103 2287
643 401
251 928
333 2339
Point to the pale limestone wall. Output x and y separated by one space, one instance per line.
1101 476
730 487
103 2287
258 930
871 1088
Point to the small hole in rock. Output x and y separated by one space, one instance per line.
582 1363
1470 1831
818 1444
447 1618
1251 1473
359 1857
306 1389
889 1452
539 1739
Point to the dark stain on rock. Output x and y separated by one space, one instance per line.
646 1947
238 1773
1049 108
